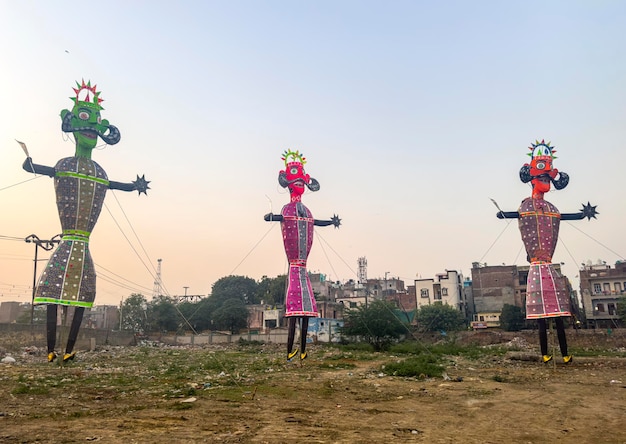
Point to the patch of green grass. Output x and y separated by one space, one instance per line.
182 406
356 346
415 366
499 378
450 348
597 351
337 365
29 389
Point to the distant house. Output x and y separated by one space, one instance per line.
601 286
445 288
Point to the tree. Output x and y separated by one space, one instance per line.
234 287
133 313
375 323
272 290
512 318
231 316
162 314
439 317
189 318
39 315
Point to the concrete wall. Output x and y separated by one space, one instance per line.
15 336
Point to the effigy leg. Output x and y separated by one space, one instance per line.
290 338
303 331
560 331
51 330
74 328
543 340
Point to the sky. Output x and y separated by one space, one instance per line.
412 116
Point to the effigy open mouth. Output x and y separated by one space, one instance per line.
89 134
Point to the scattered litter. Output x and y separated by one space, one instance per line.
189 400
8 360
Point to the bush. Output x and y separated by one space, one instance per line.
422 366
512 318
440 317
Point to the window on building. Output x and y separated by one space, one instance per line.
611 308
597 288
618 287
600 308
437 295
444 292
352 304
607 288
424 292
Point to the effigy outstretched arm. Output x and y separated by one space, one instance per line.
31 167
271 217
507 215
587 211
324 223
140 185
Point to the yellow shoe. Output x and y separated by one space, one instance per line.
68 356
567 359
303 356
292 355
52 356
547 358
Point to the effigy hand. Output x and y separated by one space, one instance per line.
141 184
335 220
589 211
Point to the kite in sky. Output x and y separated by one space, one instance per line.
69 278
297 224
547 295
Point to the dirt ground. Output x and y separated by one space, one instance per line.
236 394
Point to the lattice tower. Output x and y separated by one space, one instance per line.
156 290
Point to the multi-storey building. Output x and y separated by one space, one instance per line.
445 288
497 285
601 286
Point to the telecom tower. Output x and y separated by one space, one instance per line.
156 290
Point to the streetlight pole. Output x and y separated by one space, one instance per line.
47 245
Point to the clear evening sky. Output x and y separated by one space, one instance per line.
412 115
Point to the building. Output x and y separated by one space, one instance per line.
321 287
105 317
497 285
352 294
445 288
601 286
324 330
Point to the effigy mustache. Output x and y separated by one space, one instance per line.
559 183
109 134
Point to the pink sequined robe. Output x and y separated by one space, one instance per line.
297 228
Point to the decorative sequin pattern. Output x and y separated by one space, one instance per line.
546 293
297 228
69 277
